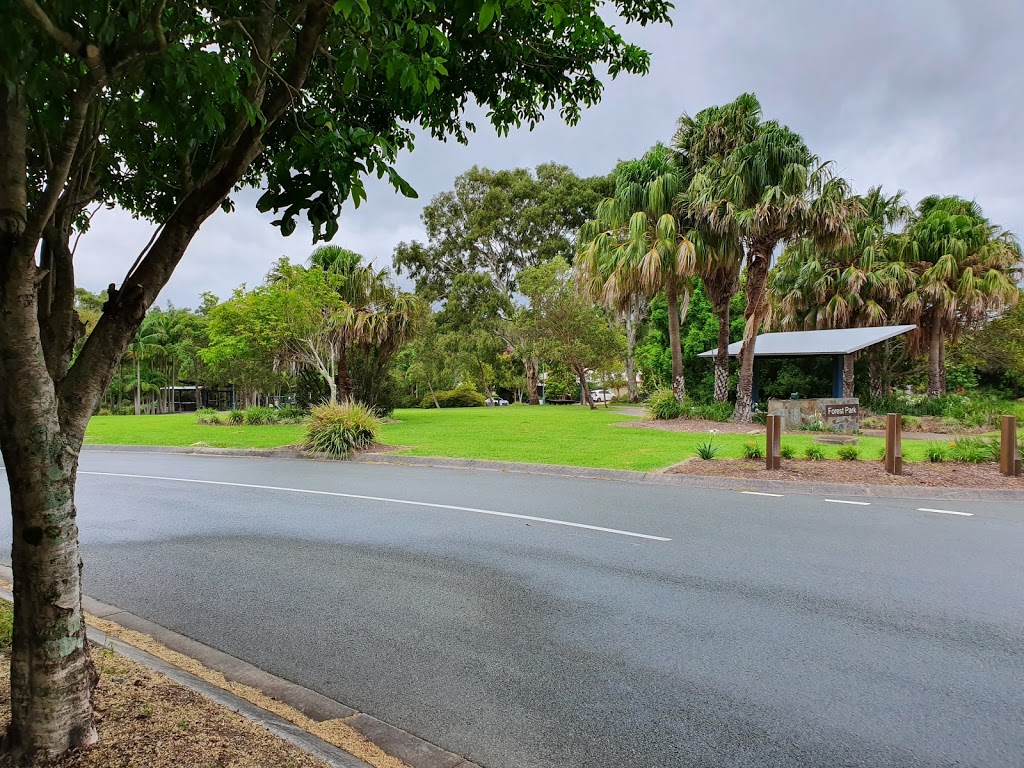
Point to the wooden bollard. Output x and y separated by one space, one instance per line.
894 444
773 442
1009 454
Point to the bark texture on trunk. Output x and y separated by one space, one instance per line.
674 338
757 275
875 373
632 390
935 344
722 355
581 373
848 379
532 365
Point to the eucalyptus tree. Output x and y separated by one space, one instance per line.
853 285
966 270
709 136
634 246
765 191
165 108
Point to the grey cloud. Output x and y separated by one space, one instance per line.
923 95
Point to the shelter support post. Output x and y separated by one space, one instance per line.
1009 453
837 375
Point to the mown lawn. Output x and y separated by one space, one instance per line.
181 429
567 435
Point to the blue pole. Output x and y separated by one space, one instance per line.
837 375
754 387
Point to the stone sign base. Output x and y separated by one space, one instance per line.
838 413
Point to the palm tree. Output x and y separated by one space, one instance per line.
634 248
848 286
966 268
145 344
767 191
709 137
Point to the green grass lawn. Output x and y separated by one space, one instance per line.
568 435
180 429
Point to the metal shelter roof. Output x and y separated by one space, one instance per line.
842 341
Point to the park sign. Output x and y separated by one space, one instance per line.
841 410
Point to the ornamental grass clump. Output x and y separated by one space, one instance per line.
974 450
663 405
848 453
814 453
259 414
337 429
935 452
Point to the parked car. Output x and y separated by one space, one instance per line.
602 395
495 400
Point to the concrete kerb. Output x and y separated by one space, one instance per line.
411 749
655 477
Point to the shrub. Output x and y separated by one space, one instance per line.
339 428
936 452
813 426
259 414
103 411
849 453
291 414
814 452
208 416
787 451
872 422
455 398
711 411
123 410
6 625
235 416
663 405
911 423
974 450
753 450
707 451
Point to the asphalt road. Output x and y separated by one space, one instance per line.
750 631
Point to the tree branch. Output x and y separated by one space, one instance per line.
87 51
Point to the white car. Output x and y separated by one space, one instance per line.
602 396
496 401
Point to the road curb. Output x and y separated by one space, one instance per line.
411 749
654 477
661 477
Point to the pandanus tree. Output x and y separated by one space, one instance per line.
851 285
634 246
769 190
708 137
145 345
966 270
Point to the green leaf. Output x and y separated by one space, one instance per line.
487 13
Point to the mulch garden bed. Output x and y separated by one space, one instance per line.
147 721
696 425
939 475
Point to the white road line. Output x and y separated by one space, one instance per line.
387 500
758 493
844 501
945 511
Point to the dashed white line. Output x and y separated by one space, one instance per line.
945 511
846 501
759 493
407 502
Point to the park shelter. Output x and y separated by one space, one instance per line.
837 344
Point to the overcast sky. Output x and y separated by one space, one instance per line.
921 95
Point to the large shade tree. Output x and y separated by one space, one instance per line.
855 284
165 108
765 191
966 270
635 247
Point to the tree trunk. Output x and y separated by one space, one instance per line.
848 382
674 341
875 369
942 368
581 372
722 355
532 365
138 387
757 274
935 388
632 390
343 389
433 397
